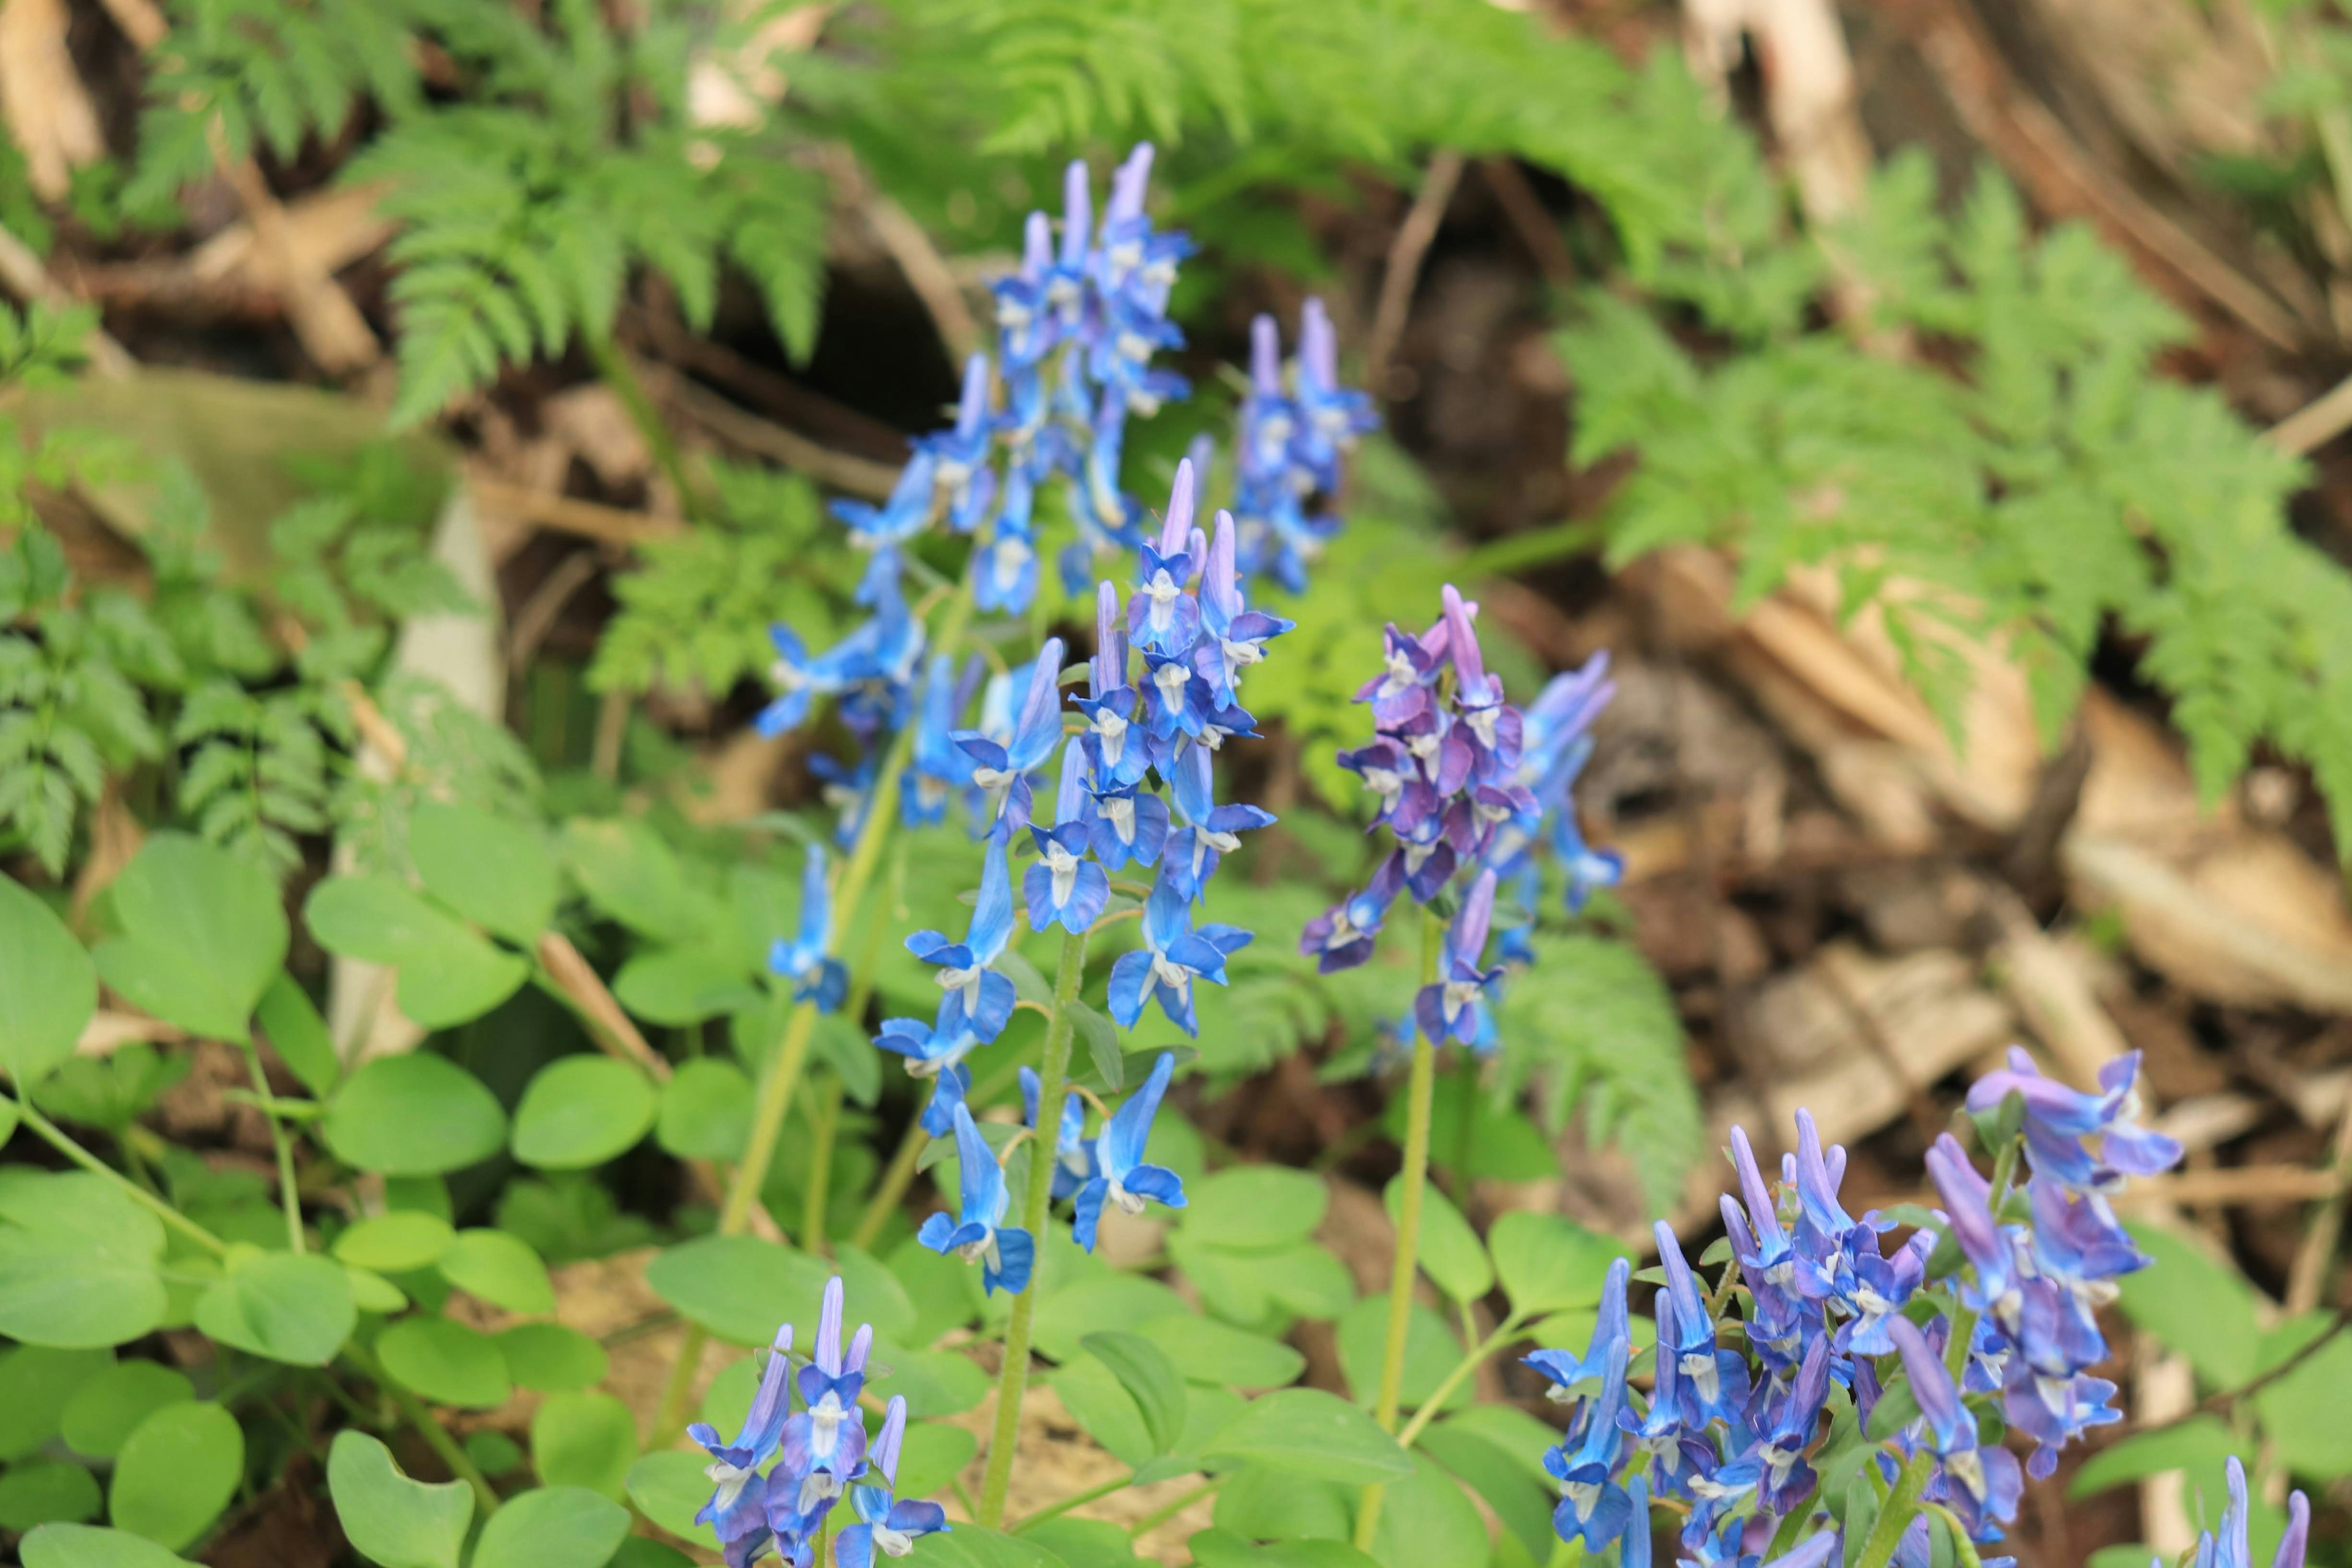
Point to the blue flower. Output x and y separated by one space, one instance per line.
1005 1254
1162 616
1792 1419
978 998
825 1443
1073 1156
1611 1330
960 454
1177 700
935 1051
884 1522
1234 636
1064 887
1007 764
937 764
1715 1381
1210 831
1026 324
1593 1508
2231 1549
1451 1008
1173 956
1330 415
1989 1247
905 513
1120 756
1121 1178
738 1504
1129 823
2058 1119
815 977
1984 1483
1400 691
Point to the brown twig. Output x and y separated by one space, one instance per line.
747 432
1536 229
568 514
1414 237
612 1029
536 617
2306 1277
333 333
2315 424
933 283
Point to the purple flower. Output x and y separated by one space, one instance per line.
1451 1008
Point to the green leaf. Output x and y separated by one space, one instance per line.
448 973
1521 1500
1314 1433
738 1286
1429 1521
371 1292
104 1411
203 935
1083 1542
48 987
555 1527
1430 1351
1547 1263
445 1361
397 1242
669 1488
643 1552
582 1110
37 1387
706 1112
2304 1411
1896 1408
1267 1504
176 1473
1102 1046
50 1493
970 1546
85 1546
1223 1549
1108 1300
281 1306
2201 1442
298 1034
2193 1304
1089 1390
1206 1350
1255 1206
78 1263
584 1441
394 1522
1450 1252
1149 1378
495 872
933 1455
499 1268
416 1115
935 1383
682 985
552 1359
630 875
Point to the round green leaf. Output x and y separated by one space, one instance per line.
552 1359
1548 1263
395 1522
669 1487
579 1111
397 1242
1206 1350
448 973
497 1453
1451 1253
1255 1206
677 986
46 1494
78 1263
1151 1380
1311 1433
445 1361
584 1441
281 1306
933 1455
371 1292
48 987
103 1412
738 1286
203 935
501 1268
643 1552
176 1473
497 873
36 1386
416 1115
706 1112
556 1527
298 1034
88 1546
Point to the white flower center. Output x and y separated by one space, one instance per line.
1170 678
1700 1368
1164 592
893 1542
1063 867
1112 730
729 1481
1173 975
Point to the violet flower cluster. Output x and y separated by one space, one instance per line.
775 1484
1832 1320
1467 785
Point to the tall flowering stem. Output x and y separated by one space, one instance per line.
1013 1384
1420 1096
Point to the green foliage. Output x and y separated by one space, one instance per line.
2056 485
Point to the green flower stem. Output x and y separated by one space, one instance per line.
1419 1093
783 1075
614 368
1174 1506
47 1134
1896 1514
825 1115
1075 1499
1052 1072
436 1437
1504 1332
288 1194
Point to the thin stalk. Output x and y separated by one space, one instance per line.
1075 1499
1053 1071
1505 1331
614 368
1419 1094
47 1134
287 1194
1169 1509
826 1119
436 1437
1896 1514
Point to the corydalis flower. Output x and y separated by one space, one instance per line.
1173 957
815 975
885 1524
825 1443
1121 1179
977 1234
